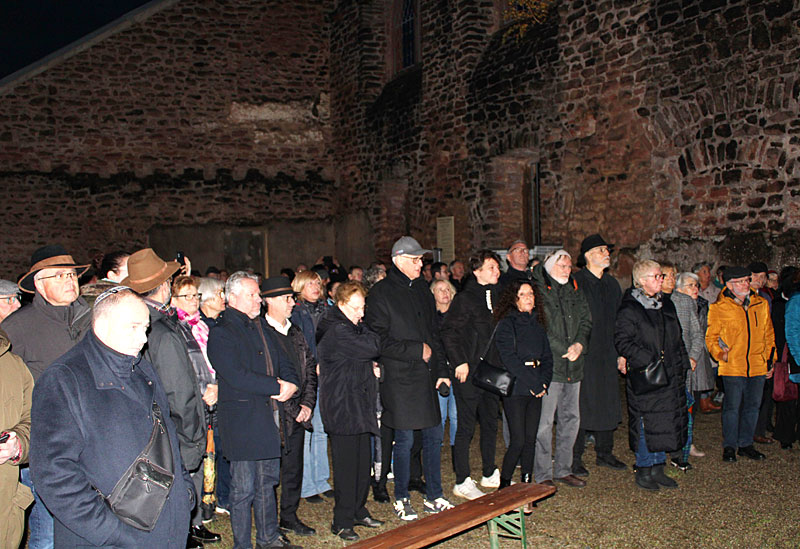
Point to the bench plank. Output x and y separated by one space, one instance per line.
423 532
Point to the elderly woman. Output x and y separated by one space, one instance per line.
443 293
186 301
647 330
306 314
522 343
701 378
347 351
212 299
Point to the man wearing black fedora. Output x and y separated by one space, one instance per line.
296 412
42 331
599 396
151 277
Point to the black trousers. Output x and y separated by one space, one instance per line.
603 444
787 424
766 410
523 414
351 468
474 404
292 474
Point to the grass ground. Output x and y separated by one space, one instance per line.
742 504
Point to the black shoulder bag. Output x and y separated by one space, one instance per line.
491 378
140 495
652 376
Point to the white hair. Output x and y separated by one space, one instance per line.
234 283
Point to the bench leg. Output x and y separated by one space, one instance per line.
513 526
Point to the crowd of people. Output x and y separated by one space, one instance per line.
141 398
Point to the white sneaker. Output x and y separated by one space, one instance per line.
403 509
467 489
492 481
436 506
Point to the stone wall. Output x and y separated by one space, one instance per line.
89 214
202 112
670 127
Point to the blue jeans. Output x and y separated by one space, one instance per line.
316 468
253 486
40 521
740 410
223 473
431 461
447 407
645 458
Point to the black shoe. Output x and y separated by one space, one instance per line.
369 522
657 474
752 453
729 454
282 541
379 493
579 470
192 543
645 480
785 446
418 485
316 498
504 483
297 527
347 534
204 535
328 493
611 461
680 464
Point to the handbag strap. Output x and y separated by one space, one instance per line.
489 343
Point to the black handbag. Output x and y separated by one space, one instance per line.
492 378
139 496
650 377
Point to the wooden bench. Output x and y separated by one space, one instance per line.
491 507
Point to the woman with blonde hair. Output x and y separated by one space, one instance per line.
307 312
647 333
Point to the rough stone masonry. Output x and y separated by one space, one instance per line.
671 126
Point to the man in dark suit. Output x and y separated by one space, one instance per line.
254 375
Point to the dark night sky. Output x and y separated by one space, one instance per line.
32 29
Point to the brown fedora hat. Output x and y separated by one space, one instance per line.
147 271
48 257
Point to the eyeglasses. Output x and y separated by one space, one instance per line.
657 277
189 297
220 294
10 299
417 260
61 277
745 281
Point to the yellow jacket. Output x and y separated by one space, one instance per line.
748 335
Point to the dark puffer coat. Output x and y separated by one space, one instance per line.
638 339
348 388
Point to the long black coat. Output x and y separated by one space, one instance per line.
246 420
638 339
403 313
348 388
600 401
91 418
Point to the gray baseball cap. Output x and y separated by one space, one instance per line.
407 245
8 288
